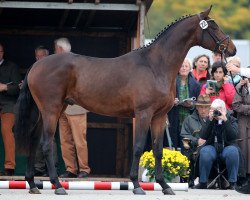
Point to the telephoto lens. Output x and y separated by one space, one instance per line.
216 113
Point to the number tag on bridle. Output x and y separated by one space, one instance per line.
203 24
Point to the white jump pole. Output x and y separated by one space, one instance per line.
91 185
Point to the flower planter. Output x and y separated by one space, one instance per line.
146 178
174 166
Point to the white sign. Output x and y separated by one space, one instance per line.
203 24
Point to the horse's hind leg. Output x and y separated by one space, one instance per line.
49 124
29 174
36 131
142 121
158 126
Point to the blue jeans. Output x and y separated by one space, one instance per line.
229 155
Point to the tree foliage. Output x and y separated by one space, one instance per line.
233 16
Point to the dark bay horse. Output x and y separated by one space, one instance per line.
140 84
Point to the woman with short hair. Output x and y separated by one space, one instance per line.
222 88
186 87
201 65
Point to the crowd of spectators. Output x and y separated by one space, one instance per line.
216 125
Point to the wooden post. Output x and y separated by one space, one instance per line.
142 23
140 38
126 151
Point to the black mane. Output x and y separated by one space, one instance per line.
163 31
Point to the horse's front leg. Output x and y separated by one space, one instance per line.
48 153
142 121
49 124
158 126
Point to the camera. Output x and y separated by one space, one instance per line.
216 113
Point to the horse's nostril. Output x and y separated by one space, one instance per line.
235 51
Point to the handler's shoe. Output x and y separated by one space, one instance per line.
68 174
83 174
7 172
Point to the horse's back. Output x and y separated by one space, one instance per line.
109 86
89 82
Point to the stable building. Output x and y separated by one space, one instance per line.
98 28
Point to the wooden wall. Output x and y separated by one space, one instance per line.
109 139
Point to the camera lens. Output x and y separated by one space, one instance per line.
216 113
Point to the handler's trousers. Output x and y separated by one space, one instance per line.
7 122
74 147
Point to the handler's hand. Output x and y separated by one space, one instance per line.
232 68
244 81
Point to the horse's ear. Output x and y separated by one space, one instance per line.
206 13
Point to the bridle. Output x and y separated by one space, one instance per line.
220 46
219 43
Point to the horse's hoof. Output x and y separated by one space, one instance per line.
61 191
139 191
34 191
168 191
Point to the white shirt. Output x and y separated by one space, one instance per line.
75 110
245 72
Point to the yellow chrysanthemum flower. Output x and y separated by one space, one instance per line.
173 163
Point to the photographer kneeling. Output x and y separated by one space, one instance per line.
217 138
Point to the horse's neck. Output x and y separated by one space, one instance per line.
172 48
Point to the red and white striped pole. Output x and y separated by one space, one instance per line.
91 185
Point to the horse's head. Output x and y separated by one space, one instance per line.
210 36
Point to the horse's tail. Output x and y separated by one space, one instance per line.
26 118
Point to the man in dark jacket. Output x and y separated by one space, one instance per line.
218 136
190 131
9 90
